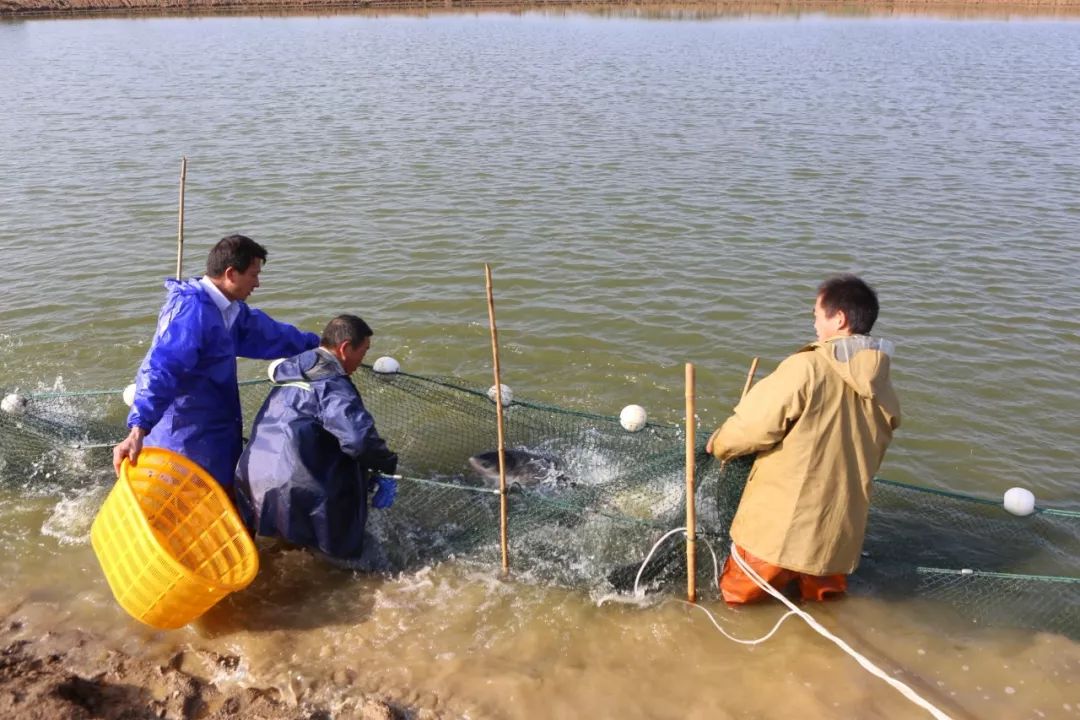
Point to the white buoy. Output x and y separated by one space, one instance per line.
633 417
507 394
129 394
386 365
1019 501
14 404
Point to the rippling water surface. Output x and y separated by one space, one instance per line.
649 193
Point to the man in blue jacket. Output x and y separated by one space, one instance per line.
306 474
186 395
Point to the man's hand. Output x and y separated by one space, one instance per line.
129 448
709 445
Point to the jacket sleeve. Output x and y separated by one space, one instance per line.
260 336
173 354
768 411
342 413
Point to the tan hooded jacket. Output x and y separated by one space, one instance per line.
820 425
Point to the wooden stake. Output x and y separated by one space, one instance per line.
180 227
749 377
691 517
499 418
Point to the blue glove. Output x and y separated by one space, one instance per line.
384 496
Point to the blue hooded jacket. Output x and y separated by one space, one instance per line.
186 395
304 476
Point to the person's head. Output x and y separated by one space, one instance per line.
845 305
349 338
234 265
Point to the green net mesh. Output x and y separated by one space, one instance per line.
990 566
588 511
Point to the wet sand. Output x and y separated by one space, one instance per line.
56 673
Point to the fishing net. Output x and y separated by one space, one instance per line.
993 568
589 499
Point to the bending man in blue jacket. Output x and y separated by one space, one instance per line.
186 396
306 474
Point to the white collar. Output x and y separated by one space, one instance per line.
215 293
229 308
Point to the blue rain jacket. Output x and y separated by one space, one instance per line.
186 395
305 474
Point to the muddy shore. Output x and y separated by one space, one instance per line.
69 674
65 8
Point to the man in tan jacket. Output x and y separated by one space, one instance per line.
820 425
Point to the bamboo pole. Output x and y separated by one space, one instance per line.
691 516
499 418
749 377
180 225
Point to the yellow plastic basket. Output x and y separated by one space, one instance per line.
169 540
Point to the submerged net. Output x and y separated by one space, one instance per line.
990 566
589 500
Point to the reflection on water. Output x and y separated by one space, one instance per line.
649 193
735 9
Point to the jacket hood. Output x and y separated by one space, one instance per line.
862 361
317 364
179 288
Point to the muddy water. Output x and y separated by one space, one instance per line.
650 193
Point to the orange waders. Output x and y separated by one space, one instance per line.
738 588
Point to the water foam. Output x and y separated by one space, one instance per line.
71 518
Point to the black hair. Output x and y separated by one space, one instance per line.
850 294
345 328
233 251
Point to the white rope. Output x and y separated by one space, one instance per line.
637 578
861 659
873 669
716 577
732 638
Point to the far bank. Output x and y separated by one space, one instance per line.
951 8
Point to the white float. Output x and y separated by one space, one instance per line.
1019 501
507 394
633 417
386 365
129 394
